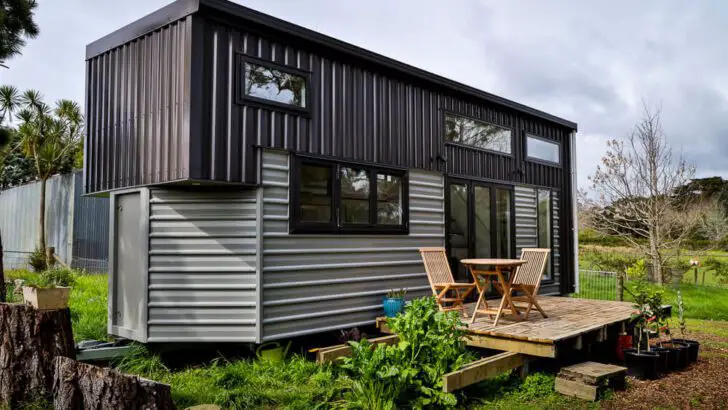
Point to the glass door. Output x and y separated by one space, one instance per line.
480 223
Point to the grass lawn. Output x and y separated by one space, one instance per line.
87 301
302 384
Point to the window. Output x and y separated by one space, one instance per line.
542 149
477 134
344 198
544 226
277 86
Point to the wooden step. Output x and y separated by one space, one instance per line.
589 380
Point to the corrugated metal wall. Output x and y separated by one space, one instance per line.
314 283
202 266
358 112
138 111
76 226
526 207
90 229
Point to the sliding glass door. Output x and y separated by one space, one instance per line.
480 222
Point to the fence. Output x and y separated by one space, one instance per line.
77 226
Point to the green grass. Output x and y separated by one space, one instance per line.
88 302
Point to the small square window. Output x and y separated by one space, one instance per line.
274 85
542 149
389 199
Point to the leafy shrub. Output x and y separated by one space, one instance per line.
53 277
410 372
37 260
637 271
719 268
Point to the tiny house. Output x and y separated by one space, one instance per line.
267 181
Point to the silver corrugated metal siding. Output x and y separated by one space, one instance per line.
526 218
202 266
557 237
19 219
315 283
138 111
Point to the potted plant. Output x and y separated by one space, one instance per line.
394 302
50 291
642 363
693 345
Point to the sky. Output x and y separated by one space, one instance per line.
593 63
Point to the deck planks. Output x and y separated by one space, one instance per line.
568 318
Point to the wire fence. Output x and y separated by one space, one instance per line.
19 260
597 284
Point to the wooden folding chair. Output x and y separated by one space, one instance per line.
527 278
442 281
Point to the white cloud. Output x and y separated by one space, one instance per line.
589 62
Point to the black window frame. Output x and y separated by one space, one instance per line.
335 226
552 258
446 113
244 99
541 160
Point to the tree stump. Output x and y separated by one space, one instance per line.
29 341
79 385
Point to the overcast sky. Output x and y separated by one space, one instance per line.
586 62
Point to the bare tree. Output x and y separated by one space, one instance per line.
635 183
712 220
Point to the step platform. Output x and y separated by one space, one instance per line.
589 380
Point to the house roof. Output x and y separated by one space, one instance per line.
183 8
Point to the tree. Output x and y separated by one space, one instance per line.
50 138
635 184
16 24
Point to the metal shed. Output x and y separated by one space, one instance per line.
205 178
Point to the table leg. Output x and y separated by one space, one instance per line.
477 306
503 299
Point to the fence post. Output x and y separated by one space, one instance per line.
620 286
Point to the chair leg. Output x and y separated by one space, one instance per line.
500 310
533 302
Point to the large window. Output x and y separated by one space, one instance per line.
542 149
544 227
477 134
273 85
345 198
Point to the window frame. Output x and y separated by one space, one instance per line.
336 226
552 258
244 99
541 160
447 113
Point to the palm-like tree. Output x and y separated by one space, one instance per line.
50 137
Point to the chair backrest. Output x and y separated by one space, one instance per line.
436 265
531 272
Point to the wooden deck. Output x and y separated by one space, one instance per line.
569 321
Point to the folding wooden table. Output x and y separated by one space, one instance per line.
499 265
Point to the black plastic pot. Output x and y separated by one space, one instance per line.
673 358
643 365
693 348
683 353
662 363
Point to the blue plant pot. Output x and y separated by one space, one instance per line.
393 306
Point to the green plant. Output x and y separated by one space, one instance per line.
648 311
397 293
718 267
637 270
681 314
37 260
54 277
430 345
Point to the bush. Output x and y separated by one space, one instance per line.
37 260
409 373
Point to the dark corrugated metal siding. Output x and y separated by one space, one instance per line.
138 111
356 113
